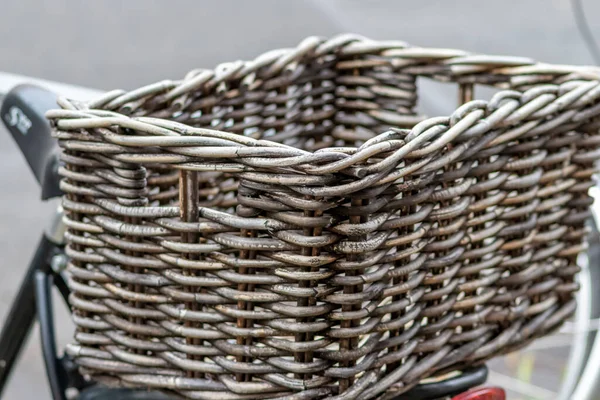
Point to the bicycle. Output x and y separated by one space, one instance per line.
22 111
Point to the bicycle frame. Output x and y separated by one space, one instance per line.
34 300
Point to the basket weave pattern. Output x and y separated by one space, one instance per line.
290 227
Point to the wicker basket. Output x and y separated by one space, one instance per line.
289 227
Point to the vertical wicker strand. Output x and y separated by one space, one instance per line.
312 301
250 305
466 93
350 343
188 201
300 356
245 323
402 231
241 305
306 357
359 288
136 288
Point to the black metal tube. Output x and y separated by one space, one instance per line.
54 369
22 312
61 284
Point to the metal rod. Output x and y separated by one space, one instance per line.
22 312
466 93
61 284
54 369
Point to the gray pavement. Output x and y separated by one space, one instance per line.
124 44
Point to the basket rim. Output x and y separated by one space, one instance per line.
202 149
162 132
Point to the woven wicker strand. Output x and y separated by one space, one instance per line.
291 228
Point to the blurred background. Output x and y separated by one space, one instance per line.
125 44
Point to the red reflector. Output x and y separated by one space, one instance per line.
494 393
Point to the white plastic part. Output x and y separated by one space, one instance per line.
9 81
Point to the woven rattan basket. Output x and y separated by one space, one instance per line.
290 227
